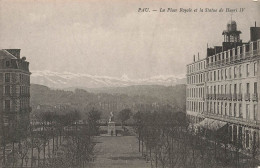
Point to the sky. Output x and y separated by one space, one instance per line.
111 38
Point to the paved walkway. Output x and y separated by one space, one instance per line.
118 152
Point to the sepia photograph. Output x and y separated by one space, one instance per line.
129 83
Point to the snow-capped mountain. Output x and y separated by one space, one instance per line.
67 79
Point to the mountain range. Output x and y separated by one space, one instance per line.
79 80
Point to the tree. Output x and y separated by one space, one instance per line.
124 115
93 119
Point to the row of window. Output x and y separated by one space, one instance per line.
223 74
12 77
231 88
22 90
231 73
232 109
221 108
196 67
24 103
194 79
195 106
195 92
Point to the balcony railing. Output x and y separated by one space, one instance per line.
254 97
247 97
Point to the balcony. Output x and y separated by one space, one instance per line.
229 96
239 97
220 96
247 97
254 97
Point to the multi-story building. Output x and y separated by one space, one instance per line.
195 89
14 90
231 83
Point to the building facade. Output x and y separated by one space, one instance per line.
231 84
14 90
195 89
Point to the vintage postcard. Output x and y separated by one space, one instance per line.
129 83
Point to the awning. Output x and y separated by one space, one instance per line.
211 124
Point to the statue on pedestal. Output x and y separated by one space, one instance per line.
111 125
111 117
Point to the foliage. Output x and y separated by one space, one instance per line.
124 115
93 121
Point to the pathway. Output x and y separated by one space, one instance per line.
118 152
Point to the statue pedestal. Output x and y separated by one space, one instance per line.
111 130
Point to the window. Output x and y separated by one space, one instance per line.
218 108
214 108
235 75
247 111
247 88
255 87
240 88
225 108
255 68
240 74
240 111
7 77
235 109
7 104
247 139
214 75
255 112
7 89
247 69
230 109
229 72
221 110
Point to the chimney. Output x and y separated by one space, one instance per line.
255 23
198 56
194 58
